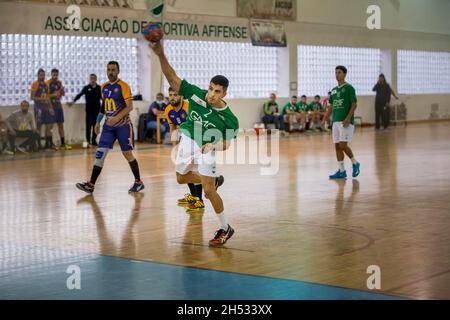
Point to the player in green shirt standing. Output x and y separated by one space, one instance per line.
343 104
210 126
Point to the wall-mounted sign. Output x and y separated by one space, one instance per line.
267 9
268 34
46 19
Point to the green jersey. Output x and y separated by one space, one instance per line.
341 101
206 124
291 107
313 106
303 106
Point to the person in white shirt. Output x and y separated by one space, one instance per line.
21 124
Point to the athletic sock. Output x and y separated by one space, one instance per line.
199 191
341 166
135 168
95 173
223 221
192 188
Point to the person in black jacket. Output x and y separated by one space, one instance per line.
93 95
382 99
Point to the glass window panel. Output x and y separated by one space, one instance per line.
246 66
423 72
316 68
75 57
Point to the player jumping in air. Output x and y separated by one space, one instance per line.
210 126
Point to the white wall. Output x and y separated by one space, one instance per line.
406 24
429 16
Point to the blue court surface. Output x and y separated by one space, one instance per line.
32 272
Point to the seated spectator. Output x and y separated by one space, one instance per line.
4 137
21 125
272 113
291 113
315 114
157 108
303 110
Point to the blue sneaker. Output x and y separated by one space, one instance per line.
339 175
355 172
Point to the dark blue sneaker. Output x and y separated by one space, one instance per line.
339 175
86 187
355 172
137 187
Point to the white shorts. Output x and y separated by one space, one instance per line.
341 134
191 158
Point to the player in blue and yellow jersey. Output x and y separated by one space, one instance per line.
176 113
42 107
56 91
117 105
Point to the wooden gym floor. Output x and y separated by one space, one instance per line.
298 234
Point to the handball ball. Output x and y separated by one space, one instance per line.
153 31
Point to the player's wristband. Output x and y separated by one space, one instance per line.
100 117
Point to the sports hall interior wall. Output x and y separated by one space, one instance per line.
420 25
